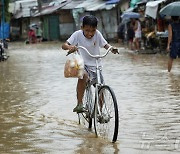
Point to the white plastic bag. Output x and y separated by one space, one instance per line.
74 66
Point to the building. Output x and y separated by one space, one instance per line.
60 18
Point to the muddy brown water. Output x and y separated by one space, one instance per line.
36 103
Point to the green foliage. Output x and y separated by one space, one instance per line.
6 8
6 12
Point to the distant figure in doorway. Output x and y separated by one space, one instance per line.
173 45
31 36
39 34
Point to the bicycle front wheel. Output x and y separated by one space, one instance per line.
106 118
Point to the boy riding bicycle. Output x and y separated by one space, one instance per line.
90 38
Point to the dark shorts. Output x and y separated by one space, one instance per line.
175 50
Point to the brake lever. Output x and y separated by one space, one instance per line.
68 53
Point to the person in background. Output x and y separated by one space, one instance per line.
38 34
130 35
137 31
173 45
120 33
151 38
31 36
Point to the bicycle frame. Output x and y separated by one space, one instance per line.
98 84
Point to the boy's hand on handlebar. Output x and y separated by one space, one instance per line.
72 49
114 50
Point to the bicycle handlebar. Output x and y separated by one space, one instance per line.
96 56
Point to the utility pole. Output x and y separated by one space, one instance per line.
2 19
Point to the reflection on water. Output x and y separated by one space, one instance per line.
36 103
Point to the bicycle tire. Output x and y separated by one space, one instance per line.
106 107
85 118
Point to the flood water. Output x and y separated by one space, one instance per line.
36 103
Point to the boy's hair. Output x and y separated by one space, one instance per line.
90 20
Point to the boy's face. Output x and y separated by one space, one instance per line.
89 31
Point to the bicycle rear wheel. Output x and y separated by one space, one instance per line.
85 118
106 118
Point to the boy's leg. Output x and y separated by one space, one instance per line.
81 85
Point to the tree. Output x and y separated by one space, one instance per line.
6 12
6 9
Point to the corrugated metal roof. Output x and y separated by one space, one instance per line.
52 8
91 5
47 10
99 5
22 8
24 13
73 4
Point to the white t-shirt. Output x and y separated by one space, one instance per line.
92 45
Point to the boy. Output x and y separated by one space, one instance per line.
91 39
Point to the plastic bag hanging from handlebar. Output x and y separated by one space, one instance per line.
74 66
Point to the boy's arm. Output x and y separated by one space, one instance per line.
113 50
69 47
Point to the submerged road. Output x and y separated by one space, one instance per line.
36 103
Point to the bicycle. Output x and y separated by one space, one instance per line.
102 107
